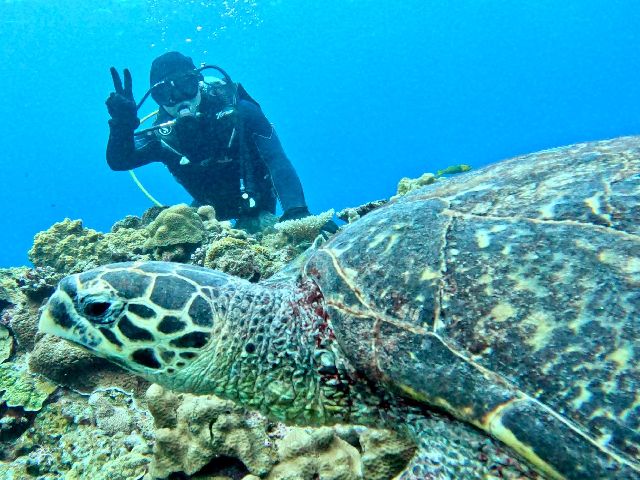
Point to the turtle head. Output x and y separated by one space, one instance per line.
153 318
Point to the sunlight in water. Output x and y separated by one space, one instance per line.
201 18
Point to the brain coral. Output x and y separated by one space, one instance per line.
192 430
316 453
176 226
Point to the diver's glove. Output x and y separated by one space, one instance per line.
120 104
297 213
330 227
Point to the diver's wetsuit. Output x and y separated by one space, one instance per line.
214 171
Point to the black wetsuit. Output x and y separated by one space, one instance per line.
205 157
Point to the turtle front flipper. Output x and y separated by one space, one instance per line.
424 368
451 449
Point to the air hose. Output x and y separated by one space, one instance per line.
133 175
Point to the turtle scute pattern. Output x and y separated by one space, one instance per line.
529 272
156 299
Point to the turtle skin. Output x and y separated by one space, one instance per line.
508 297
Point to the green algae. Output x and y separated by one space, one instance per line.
21 388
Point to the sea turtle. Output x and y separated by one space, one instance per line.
507 298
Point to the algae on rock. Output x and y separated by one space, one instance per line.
65 443
21 388
6 343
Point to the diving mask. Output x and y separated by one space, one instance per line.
171 91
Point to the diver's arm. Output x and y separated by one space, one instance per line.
283 175
124 152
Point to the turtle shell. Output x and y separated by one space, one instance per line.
509 297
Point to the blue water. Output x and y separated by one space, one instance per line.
361 92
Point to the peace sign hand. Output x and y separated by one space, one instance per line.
120 104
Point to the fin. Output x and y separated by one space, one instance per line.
449 448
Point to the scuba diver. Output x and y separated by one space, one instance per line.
213 138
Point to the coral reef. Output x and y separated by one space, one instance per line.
74 367
193 430
115 410
65 442
385 453
304 229
122 245
6 343
39 283
130 221
241 258
175 233
195 434
208 215
307 453
107 433
66 246
10 294
20 388
352 214
23 323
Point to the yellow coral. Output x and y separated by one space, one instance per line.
177 225
408 184
63 244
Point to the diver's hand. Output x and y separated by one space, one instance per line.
120 104
330 227
295 213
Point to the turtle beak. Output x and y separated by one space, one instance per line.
59 318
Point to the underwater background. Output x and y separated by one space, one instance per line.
362 93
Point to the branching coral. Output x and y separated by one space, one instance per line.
305 229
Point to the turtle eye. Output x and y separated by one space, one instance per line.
96 309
